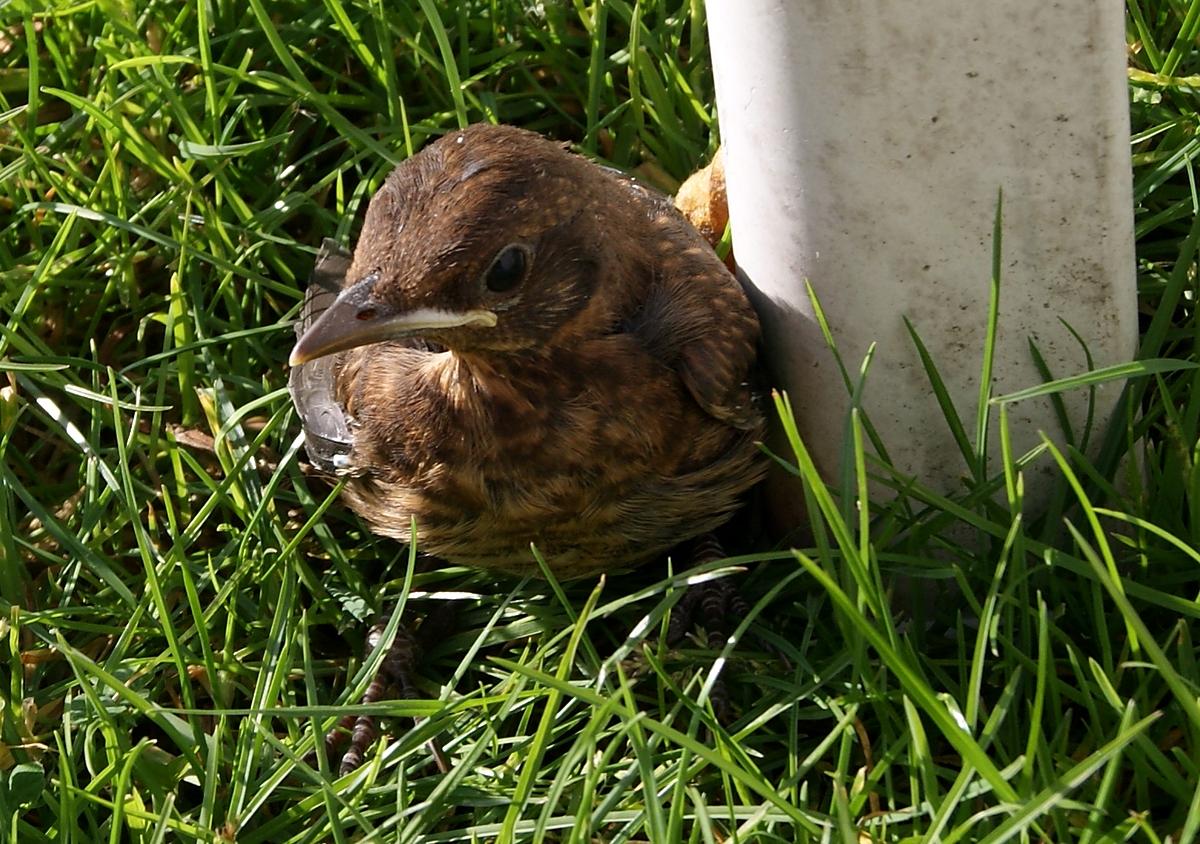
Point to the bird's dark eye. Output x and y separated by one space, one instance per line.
507 269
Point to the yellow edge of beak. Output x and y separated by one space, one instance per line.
338 329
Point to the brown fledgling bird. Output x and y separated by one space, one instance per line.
530 348
533 349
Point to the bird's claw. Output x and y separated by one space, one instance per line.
716 606
395 673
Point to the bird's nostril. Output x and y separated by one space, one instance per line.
365 314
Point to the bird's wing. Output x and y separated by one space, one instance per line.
717 331
327 436
717 367
698 317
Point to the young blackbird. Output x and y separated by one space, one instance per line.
529 348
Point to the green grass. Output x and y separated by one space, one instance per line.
181 603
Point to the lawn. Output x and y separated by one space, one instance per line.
184 607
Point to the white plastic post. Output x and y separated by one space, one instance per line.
865 144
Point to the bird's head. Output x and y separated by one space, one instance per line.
488 240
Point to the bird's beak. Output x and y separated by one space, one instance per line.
352 320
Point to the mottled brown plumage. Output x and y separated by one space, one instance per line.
528 348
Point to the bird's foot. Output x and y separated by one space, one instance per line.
717 607
395 674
